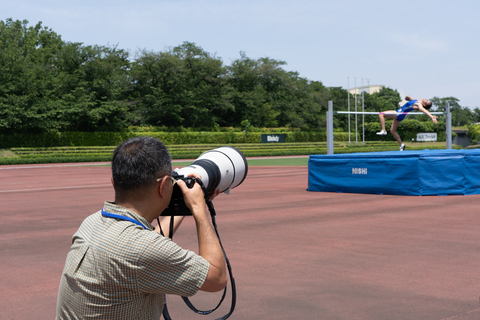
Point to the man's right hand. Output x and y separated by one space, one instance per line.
194 197
208 243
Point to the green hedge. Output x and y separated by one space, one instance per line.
115 138
408 130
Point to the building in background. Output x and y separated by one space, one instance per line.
374 88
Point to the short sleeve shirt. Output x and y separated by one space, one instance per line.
116 269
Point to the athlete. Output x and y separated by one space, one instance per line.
405 106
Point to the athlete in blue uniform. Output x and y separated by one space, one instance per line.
405 106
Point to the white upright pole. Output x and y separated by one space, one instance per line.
356 110
330 128
448 126
363 114
348 104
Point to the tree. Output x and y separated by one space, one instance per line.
460 115
266 95
47 84
95 81
385 99
27 63
206 103
248 94
476 115
182 87
339 96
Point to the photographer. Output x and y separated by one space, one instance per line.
119 266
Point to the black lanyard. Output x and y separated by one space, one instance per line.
166 314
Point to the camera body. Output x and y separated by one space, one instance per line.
177 206
220 170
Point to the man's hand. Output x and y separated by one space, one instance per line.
194 197
434 119
208 243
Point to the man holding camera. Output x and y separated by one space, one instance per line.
119 266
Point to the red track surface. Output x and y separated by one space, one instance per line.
295 254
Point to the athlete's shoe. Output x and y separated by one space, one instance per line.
402 147
382 133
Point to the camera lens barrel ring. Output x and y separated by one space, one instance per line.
213 174
231 162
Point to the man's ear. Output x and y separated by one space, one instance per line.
162 186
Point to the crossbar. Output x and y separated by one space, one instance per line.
359 112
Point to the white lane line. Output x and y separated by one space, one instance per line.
56 188
94 164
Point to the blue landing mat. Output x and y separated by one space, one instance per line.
419 172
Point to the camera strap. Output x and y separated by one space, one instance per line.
120 217
187 301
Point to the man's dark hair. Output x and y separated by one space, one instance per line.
428 105
138 162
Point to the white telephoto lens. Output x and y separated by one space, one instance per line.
194 169
231 164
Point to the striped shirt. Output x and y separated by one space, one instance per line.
115 269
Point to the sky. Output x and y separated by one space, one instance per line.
421 48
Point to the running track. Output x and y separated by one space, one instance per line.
295 254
